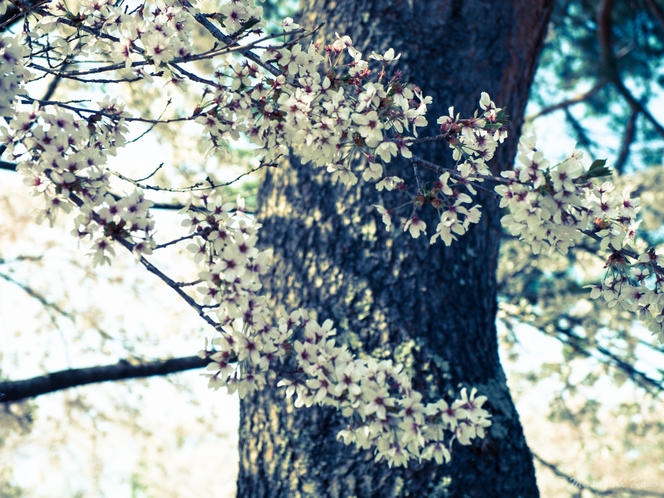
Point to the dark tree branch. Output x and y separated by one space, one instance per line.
53 85
7 166
229 42
200 186
656 11
637 376
609 66
173 206
610 62
628 138
577 99
581 135
13 14
584 348
123 370
624 91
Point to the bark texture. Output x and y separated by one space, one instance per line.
431 307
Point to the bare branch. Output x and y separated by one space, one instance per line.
53 85
13 13
229 42
577 99
637 376
628 138
80 110
599 492
123 370
8 166
585 347
581 135
175 241
38 296
624 91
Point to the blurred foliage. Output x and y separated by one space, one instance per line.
605 380
572 64
602 387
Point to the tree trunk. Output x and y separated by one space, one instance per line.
432 307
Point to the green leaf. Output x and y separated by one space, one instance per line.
598 169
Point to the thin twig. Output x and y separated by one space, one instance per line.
195 77
36 295
175 241
149 129
151 174
197 186
153 269
453 173
187 284
80 110
606 492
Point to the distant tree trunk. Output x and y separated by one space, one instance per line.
429 306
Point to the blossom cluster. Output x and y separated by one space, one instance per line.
62 157
473 141
551 206
330 118
383 409
637 287
142 35
225 245
12 71
324 117
377 398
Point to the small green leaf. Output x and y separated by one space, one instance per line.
597 163
598 169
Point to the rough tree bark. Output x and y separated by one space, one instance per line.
432 307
